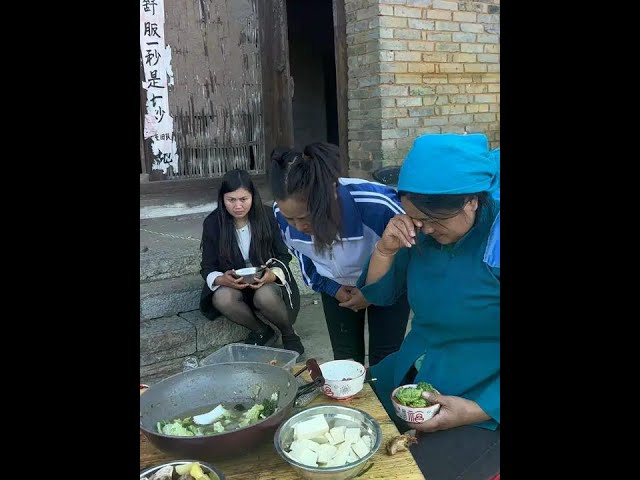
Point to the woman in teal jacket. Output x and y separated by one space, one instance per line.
445 253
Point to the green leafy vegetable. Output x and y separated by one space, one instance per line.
175 428
412 397
218 428
270 405
251 416
231 419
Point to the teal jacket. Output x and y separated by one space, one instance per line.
454 292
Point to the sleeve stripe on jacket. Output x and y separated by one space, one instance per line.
298 255
373 197
293 251
374 200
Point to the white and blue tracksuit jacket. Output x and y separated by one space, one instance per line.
367 207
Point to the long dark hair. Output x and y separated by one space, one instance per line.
312 177
261 235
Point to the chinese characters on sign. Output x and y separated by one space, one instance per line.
156 59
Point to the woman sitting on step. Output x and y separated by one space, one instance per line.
242 232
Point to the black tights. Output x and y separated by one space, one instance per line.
239 305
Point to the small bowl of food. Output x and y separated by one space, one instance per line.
249 274
328 442
342 378
182 470
410 406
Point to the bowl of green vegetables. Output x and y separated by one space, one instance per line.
411 406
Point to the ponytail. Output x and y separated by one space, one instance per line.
311 176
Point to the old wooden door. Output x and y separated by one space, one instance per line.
230 101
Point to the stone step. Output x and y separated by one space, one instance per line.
170 248
163 298
160 267
166 342
164 267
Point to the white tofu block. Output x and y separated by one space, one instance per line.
310 444
344 447
320 440
367 441
329 438
296 445
302 444
338 460
352 457
164 472
309 457
338 433
326 452
360 448
351 435
314 427
306 457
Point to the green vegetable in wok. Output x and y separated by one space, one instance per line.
229 419
270 405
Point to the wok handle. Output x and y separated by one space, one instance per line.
316 377
312 366
314 369
307 388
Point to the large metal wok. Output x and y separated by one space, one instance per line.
213 384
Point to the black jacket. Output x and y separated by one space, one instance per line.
211 262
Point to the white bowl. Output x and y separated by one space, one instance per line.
342 378
413 414
248 274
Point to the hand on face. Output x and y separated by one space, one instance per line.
450 226
399 233
454 412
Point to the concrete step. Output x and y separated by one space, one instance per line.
171 327
170 248
178 268
166 342
163 298
170 257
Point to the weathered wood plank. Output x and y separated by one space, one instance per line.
276 97
190 184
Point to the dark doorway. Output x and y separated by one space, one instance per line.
312 66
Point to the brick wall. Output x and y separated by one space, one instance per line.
419 66
365 102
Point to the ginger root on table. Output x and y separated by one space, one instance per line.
400 443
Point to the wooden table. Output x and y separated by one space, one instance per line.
265 464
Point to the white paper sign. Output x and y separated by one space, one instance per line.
156 60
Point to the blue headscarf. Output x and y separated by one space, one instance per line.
450 163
